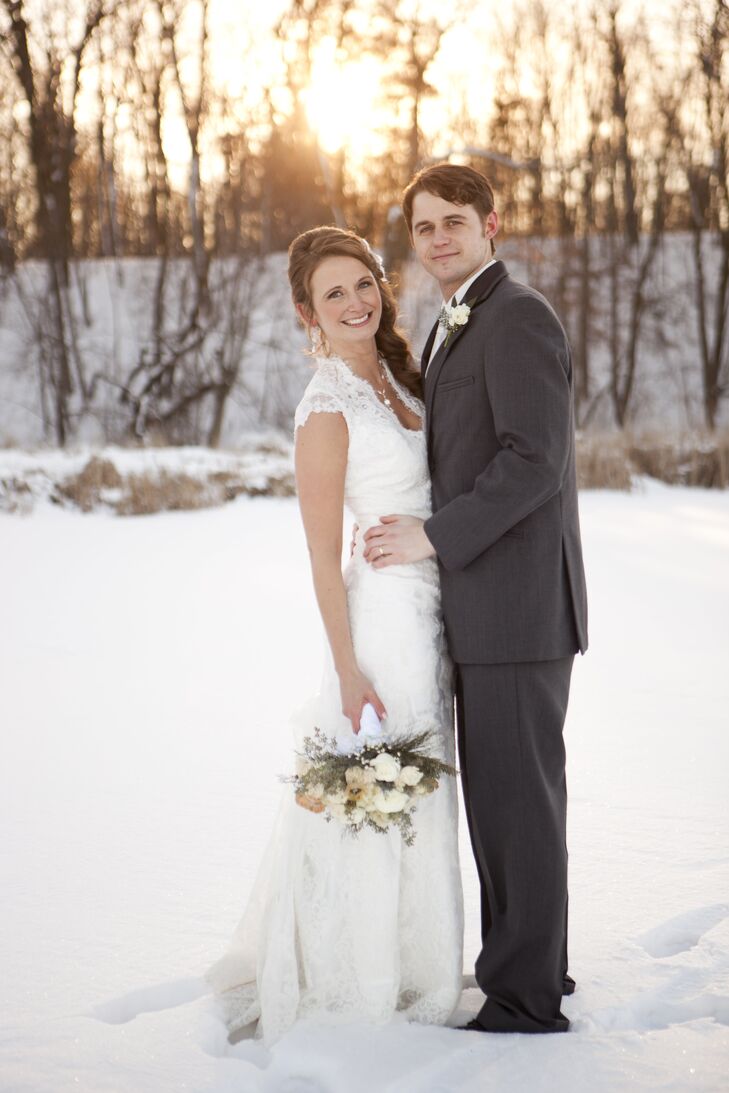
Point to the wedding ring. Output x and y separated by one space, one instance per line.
382 553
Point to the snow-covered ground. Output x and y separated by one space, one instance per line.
147 669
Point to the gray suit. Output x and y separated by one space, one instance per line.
505 527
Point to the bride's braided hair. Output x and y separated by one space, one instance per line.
306 253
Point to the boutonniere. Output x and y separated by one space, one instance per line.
453 317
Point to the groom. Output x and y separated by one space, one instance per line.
498 386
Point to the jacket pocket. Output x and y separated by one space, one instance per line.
464 381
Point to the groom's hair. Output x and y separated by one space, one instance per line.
459 185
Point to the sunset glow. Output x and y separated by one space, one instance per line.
342 100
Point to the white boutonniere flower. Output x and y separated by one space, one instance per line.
453 317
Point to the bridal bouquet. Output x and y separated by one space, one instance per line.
377 786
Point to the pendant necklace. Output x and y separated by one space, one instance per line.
382 391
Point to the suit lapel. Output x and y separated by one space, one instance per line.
426 352
479 291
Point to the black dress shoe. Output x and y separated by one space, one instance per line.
568 985
472 1026
501 1019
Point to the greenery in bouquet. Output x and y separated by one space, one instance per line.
377 786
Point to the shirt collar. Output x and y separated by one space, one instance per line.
463 289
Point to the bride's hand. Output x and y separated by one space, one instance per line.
356 692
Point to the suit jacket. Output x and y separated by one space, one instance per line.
501 448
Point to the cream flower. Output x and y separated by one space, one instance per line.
356 785
410 776
390 800
367 797
312 804
386 767
460 314
453 318
423 789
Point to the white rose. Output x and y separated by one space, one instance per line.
356 816
337 810
386 767
410 776
390 800
459 314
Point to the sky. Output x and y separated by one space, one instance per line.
343 101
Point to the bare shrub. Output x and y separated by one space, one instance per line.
610 460
147 493
15 495
603 462
692 460
86 489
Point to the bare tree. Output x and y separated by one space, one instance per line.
50 89
407 37
635 200
173 375
591 85
708 179
193 100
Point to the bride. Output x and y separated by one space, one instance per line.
341 927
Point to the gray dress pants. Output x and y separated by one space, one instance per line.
512 760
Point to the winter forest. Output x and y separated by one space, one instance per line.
157 158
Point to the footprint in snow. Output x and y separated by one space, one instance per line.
652 1011
683 932
161 996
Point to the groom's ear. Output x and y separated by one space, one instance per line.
491 227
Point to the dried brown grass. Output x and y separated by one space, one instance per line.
611 460
87 488
100 483
162 492
691 460
602 462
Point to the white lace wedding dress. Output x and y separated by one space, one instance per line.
359 928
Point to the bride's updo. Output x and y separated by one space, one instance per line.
309 249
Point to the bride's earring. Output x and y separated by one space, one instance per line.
318 341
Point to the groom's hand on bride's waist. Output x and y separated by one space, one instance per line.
397 540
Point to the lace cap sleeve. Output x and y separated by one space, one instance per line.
319 401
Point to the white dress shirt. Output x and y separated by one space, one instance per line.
458 296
